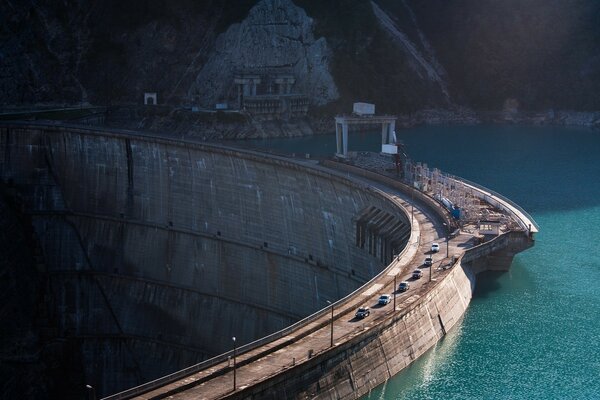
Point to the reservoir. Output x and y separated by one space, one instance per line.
533 332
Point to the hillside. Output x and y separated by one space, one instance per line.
404 56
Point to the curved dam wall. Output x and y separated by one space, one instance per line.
158 251
358 365
364 361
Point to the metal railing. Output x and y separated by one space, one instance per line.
501 197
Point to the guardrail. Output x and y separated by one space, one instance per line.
524 223
429 201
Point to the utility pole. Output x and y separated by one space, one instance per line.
412 203
394 292
331 336
430 268
233 338
91 392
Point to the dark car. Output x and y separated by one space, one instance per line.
404 285
363 312
417 274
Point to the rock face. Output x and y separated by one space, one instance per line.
101 52
404 55
276 34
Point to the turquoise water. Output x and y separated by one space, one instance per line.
533 332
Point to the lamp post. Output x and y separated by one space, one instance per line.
447 238
394 292
233 338
331 336
91 391
412 203
430 267
447 245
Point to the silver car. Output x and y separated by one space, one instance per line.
384 299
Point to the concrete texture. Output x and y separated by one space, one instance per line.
365 353
160 251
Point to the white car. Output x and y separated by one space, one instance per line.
384 299
435 247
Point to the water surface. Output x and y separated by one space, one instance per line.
533 332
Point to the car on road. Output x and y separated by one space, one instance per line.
417 274
428 261
384 299
404 285
363 312
435 247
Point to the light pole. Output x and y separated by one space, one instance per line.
331 336
394 292
412 203
430 267
233 338
447 238
91 391
447 245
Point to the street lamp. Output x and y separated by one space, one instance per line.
91 391
430 267
394 292
233 338
447 238
331 341
412 203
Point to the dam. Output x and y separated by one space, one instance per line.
156 252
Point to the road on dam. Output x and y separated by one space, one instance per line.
270 359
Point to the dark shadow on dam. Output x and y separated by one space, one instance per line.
129 257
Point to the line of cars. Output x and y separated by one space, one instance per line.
385 299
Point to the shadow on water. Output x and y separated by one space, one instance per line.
517 279
487 283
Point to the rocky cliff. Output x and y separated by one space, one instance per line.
276 35
405 56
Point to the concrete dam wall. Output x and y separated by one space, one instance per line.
362 363
157 252
329 356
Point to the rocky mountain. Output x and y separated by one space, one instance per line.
276 34
403 55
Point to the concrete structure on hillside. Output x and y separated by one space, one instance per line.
364 114
268 93
150 99
160 258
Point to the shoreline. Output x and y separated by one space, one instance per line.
232 125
